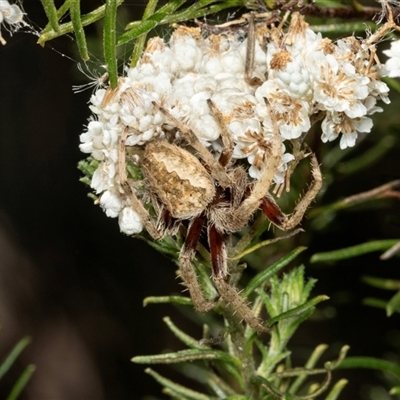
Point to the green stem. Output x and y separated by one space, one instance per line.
141 40
139 28
354 251
75 10
86 19
51 13
21 382
16 351
109 41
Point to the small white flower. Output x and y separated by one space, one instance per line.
392 65
104 177
337 87
291 75
111 203
186 52
12 15
336 123
290 113
232 61
98 140
129 221
379 90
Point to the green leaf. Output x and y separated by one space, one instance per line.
311 362
373 302
66 28
59 14
230 363
75 11
141 40
175 387
354 251
331 365
185 301
393 83
336 390
109 41
370 363
21 382
393 305
368 158
395 390
182 336
142 27
262 277
15 352
297 311
269 388
352 201
188 355
202 8
51 14
221 388
381 283
339 28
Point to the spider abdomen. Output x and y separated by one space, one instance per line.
178 178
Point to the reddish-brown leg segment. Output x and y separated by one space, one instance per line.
187 271
228 292
218 252
281 220
272 211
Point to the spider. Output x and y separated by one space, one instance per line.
209 193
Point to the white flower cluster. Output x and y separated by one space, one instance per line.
313 77
303 77
12 15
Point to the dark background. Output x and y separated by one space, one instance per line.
75 285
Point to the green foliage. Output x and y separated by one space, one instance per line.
235 373
174 11
7 364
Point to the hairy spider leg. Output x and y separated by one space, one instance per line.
219 275
227 141
262 185
167 223
216 169
187 271
281 220
126 188
272 211
218 253
250 52
306 200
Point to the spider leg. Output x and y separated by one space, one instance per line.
301 207
167 223
187 271
130 194
281 220
272 211
228 292
262 185
217 170
227 141
250 52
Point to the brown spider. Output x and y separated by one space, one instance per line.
213 194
